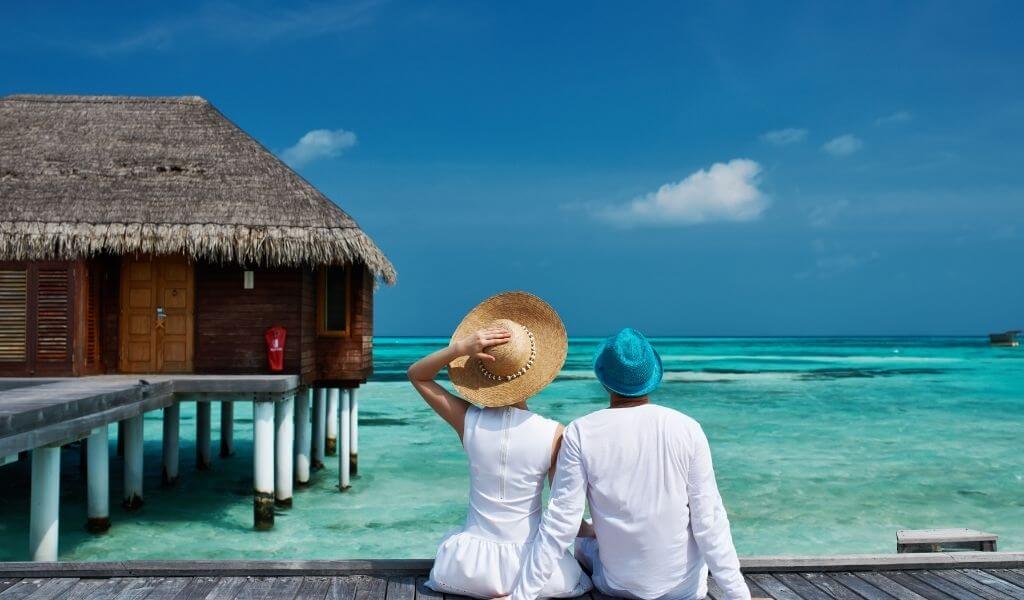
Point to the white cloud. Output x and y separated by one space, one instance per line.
317 144
900 116
844 145
784 137
725 192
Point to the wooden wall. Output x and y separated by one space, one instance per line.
348 361
229 323
230 320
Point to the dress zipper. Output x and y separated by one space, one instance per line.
506 431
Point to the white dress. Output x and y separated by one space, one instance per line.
509 453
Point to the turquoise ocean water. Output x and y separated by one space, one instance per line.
821 446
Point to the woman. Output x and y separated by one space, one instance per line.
505 350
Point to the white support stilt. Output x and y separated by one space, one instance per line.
354 438
345 427
45 511
331 446
171 442
263 463
284 421
319 429
227 428
98 480
203 426
302 437
133 462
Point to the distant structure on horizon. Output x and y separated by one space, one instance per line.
152 235
1007 338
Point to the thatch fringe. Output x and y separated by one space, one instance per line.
268 246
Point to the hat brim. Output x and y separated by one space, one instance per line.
552 344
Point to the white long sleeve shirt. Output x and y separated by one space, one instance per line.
660 523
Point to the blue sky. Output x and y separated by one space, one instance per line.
704 169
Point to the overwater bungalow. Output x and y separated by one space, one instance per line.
152 235
152 239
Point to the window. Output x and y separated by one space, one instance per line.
13 315
332 312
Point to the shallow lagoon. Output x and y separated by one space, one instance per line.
821 446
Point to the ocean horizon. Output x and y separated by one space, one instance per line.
822 445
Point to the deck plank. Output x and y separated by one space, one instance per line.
342 588
912 583
168 588
891 587
226 589
996 583
774 587
862 587
425 593
138 588
22 589
971 584
803 588
313 588
825 582
1010 575
53 588
945 585
371 587
197 588
755 590
401 588
6 583
96 589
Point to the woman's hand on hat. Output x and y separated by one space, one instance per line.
476 343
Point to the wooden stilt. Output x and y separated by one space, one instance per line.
171 443
227 428
98 457
45 512
345 427
302 437
354 438
319 426
263 463
203 427
133 462
331 446
284 421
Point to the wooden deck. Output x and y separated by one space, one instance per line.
56 411
999 576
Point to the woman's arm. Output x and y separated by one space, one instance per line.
586 529
448 406
556 445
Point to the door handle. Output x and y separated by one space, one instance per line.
160 316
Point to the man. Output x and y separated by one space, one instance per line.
658 520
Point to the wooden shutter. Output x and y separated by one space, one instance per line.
53 325
91 292
13 315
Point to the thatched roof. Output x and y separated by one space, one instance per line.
81 175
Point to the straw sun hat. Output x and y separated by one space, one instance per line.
522 366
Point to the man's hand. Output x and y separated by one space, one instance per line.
475 343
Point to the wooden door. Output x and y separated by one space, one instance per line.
156 314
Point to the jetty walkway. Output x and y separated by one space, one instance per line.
39 415
942 576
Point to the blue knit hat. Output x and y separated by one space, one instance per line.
627 364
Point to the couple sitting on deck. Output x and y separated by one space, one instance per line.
657 518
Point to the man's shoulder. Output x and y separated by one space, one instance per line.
651 412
